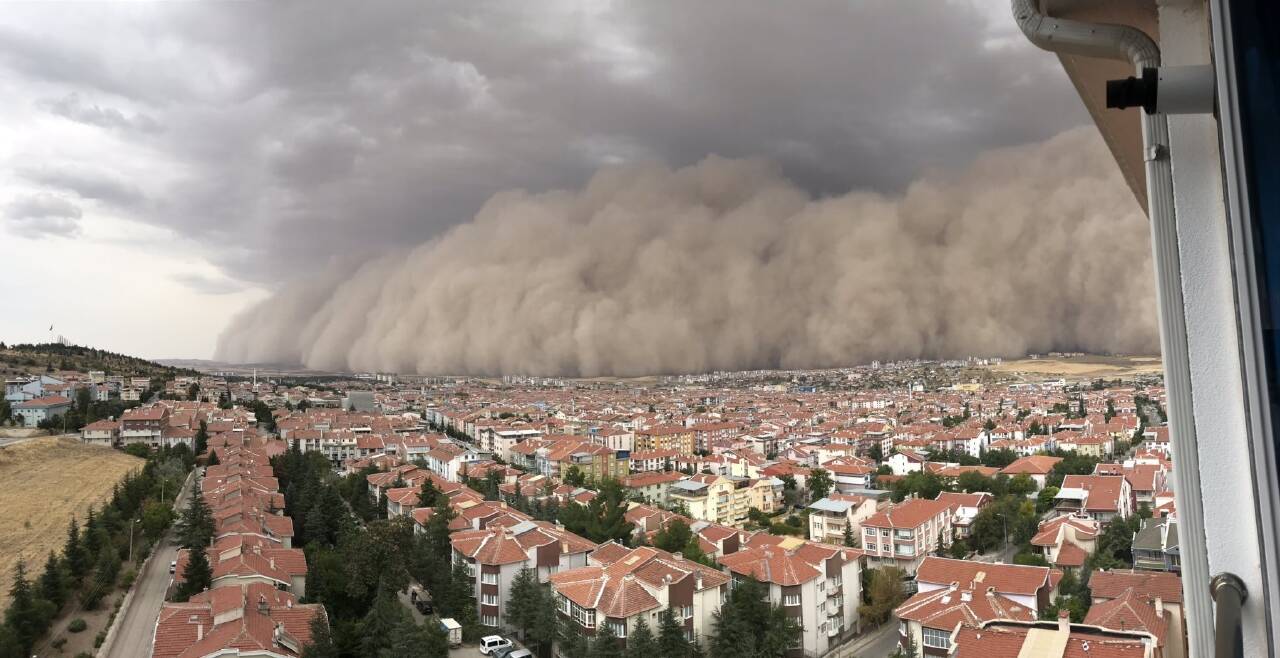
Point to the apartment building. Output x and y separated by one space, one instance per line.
249 621
665 437
964 509
1099 497
495 555
595 461
1049 639
724 499
904 534
831 517
1067 541
819 585
652 487
619 586
244 559
927 620
1029 586
144 425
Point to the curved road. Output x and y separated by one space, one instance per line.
137 628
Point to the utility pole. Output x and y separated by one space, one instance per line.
131 522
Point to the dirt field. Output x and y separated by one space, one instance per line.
1082 367
43 482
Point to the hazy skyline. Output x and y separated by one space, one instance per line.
163 167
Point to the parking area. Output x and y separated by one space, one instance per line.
466 652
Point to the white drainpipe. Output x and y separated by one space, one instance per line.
1132 45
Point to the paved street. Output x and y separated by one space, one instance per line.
878 643
137 628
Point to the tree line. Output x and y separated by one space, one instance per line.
93 555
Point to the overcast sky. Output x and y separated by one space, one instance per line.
164 166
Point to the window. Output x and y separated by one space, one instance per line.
619 628
489 620
489 578
684 612
935 638
489 599
791 599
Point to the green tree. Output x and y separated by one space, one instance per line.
671 638
522 602
52 582
382 621
850 539
23 615
202 437
605 644
73 553
193 391
603 519
575 477
213 458
884 594
1045 499
820 483
321 645
640 642
748 625
413 641
195 530
197 575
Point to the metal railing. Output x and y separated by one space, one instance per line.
1229 594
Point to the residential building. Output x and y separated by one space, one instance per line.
1029 586
1067 541
34 411
248 621
238 560
144 425
964 509
652 487
831 517
904 534
101 432
1161 590
1037 467
724 499
1049 639
495 555
819 585
1155 546
665 437
620 586
928 620
1100 497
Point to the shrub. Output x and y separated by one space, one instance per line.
84 654
126 581
77 625
58 643
97 641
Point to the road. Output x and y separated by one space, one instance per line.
137 628
877 643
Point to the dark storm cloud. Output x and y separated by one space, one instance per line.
76 109
208 285
87 183
43 214
296 136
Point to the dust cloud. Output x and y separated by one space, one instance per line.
726 265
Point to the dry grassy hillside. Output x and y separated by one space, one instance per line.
43 482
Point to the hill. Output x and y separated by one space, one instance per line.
49 357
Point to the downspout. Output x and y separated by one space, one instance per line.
1132 45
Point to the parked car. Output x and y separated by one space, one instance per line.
421 599
173 567
516 653
491 643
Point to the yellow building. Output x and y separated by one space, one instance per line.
665 437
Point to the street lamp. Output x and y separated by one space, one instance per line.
131 522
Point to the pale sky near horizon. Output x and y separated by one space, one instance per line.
164 166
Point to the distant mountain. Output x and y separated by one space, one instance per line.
47 357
